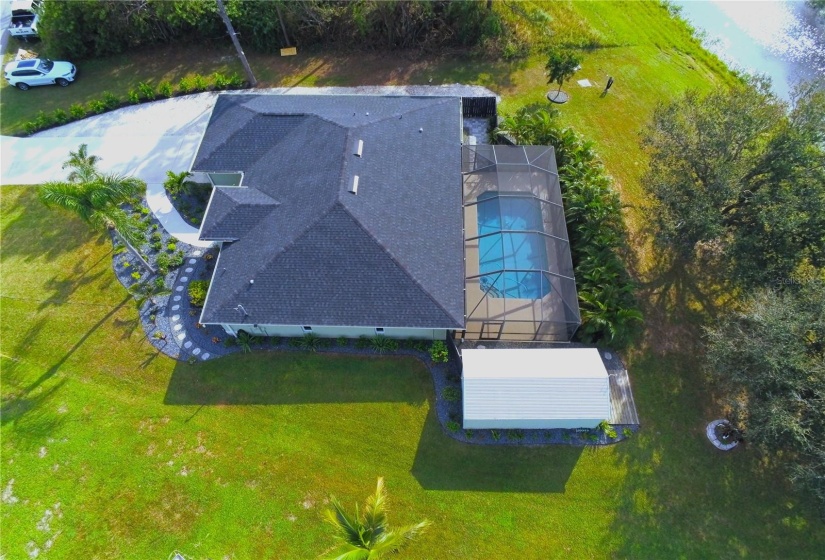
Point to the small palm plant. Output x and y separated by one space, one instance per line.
367 535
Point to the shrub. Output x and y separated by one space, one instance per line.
246 341
197 292
96 106
451 394
453 426
164 89
134 96
310 342
158 335
199 83
146 91
515 435
77 111
60 116
118 249
469 434
156 236
30 127
220 80
176 183
627 432
44 120
362 343
607 429
230 341
126 264
495 435
382 344
136 275
186 85
342 341
110 100
438 352
235 81
171 247
152 318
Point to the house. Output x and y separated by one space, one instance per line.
364 215
336 215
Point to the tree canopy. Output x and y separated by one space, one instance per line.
740 170
561 65
769 359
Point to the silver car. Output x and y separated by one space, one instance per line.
24 74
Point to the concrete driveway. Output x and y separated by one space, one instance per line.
143 141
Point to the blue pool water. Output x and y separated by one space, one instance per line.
519 254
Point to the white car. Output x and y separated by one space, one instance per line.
24 74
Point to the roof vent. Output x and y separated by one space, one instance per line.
360 148
251 281
420 130
354 187
368 113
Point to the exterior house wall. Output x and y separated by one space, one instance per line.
335 332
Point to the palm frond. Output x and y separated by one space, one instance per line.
64 195
375 516
348 528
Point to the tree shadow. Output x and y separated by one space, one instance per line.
24 411
442 463
58 290
49 373
33 232
295 378
681 497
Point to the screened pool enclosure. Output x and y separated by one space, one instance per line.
519 272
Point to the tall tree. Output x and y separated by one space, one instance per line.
769 359
561 65
736 170
367 535
96 197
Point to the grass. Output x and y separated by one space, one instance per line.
236 456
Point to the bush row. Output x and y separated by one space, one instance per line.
142 92
595 224
89 28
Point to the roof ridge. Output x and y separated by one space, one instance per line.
441 101
398 263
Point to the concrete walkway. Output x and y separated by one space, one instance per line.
147 140
144 141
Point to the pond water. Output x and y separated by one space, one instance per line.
782 39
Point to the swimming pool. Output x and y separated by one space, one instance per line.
511 260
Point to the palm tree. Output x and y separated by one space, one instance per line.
367 536
81 163
96 197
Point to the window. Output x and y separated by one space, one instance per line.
306 328
228 179
379 330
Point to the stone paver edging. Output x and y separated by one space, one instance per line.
711 433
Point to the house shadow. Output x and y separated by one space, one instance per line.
442 463
297 378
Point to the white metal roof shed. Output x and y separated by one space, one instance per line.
534 388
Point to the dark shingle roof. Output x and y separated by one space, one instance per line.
392 255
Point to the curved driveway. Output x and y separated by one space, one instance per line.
143 141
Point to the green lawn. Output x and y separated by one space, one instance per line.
235 457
